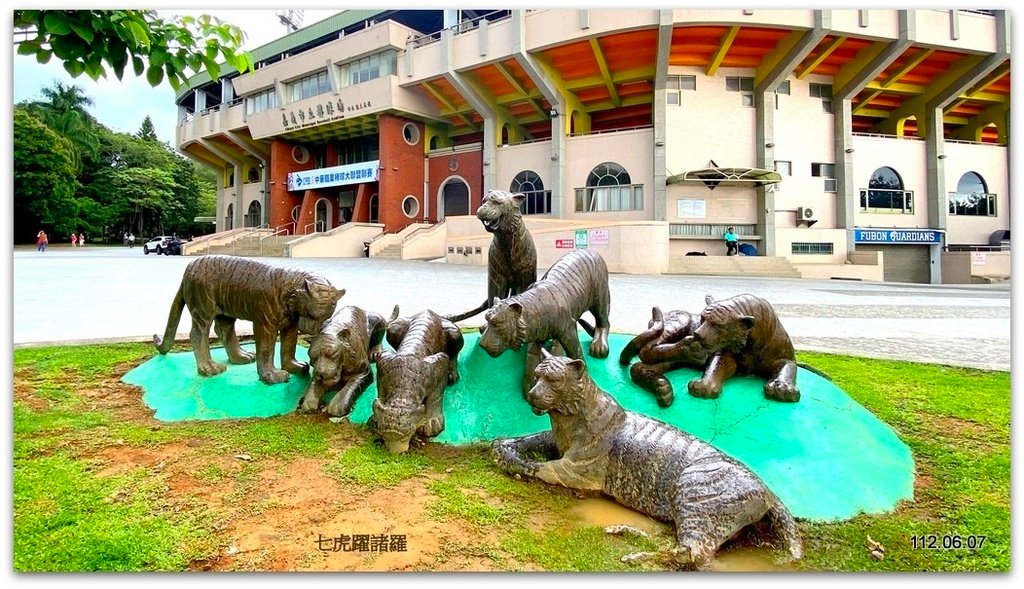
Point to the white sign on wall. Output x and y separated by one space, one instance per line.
335 176
691 208
977 258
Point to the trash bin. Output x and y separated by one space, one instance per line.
747 249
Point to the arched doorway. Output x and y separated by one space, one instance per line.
229 218
454 198
252 217
323 215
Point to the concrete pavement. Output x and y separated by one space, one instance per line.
113 293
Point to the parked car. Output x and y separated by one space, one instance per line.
155 244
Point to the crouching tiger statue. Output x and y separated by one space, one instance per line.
642 463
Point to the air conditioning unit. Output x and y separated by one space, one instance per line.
805 216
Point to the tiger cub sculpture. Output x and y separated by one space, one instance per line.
341 353
550 309
742 335
411 381
219 289
660 349
642 463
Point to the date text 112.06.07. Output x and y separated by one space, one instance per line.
947 542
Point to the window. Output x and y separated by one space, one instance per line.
538 200
739 84
824 92
360 149
261 102
812 248
410 206
309 86
253 175
784 88
609 189
885 193
821 91
676 84
972 197
783 167
747 99
828 172
369 68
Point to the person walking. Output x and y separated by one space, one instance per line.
131 240
731 242
41 241
74 239
81 240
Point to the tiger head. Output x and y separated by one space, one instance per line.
500 210
723 327
334 352
403 382
505 328
314 300
562 385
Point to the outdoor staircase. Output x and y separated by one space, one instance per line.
392 251
733 266
272 247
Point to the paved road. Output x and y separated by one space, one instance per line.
112 293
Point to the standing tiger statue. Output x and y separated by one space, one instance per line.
740 335
550 309
219 289
512 257
641 462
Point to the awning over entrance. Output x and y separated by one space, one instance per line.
714 176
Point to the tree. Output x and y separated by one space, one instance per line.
63 110
44 179
151 191
147 132
89 41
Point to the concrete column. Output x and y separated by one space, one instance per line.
764 103
200 99
846 185
659 191
561 193
490 124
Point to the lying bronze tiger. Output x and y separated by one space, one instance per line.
643 463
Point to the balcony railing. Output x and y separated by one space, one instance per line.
887 200
715 230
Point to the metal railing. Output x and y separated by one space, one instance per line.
711 230
283 229
318 227
247 235
616 130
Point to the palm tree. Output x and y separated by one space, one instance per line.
64 111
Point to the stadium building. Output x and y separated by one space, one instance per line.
858 144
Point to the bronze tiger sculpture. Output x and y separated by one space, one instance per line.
220 289
550 309
740 335
340 355
411 381
660 351
642 463
512 257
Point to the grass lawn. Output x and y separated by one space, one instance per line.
101 486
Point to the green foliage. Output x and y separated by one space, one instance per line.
957 423
373 466
67 519
44 179
581 549
90 41
147 132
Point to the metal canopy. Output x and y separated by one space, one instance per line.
714 176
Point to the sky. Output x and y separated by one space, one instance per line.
122 105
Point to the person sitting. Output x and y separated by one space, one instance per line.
731 242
